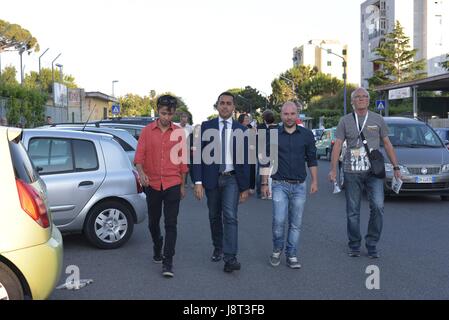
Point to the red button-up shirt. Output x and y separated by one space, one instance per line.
163 160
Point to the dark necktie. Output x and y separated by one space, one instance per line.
223 147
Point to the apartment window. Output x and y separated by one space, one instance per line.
363 54
329 63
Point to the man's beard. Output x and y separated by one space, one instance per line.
290 126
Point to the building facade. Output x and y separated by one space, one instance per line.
97 106
311 54
425 22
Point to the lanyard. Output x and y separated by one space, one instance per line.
358 126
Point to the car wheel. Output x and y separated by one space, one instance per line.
10 287
445 198
109 225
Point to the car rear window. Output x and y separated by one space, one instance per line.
85 155
23 167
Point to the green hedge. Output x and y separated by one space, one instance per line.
24 106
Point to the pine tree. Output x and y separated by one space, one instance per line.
397 61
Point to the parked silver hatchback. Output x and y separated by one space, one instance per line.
92 187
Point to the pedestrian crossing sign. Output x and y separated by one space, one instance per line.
380 105
115 109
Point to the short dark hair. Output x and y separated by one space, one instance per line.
226 93
184 115
167 101
268 116
241 118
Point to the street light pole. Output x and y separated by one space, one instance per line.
113 82
21 51
53 77
40 81
292 82
329 51
61 78
53 68
265 96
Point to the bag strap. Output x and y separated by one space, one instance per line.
364 141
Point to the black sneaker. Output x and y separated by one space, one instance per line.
167 271
157 258
293 263
275 258
231 266
216 255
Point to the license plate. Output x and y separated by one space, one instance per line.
425 179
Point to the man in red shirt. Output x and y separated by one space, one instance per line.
161 160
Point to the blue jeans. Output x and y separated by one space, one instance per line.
288 201
354 185
223 205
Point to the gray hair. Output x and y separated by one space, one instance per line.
358 89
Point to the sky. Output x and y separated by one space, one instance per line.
193 48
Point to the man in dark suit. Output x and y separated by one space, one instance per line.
225 180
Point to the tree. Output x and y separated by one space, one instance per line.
445 64
33 81
14 38
8 76
24 106
135 105
397 61
249 100
283 89
320 84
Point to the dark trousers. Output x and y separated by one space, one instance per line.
252 176
169 199
223 205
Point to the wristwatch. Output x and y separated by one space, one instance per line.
396 168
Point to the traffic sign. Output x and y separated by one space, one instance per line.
115 109
380 105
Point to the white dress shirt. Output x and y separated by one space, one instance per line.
228 161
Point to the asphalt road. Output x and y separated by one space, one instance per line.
414 261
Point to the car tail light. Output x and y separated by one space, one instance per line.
138 184
32 203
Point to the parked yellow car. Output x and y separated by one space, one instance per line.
31 251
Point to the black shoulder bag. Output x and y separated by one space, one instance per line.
375 157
